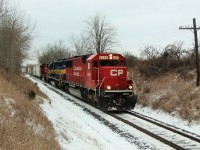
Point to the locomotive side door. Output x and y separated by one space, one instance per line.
95 70
88 74
91 75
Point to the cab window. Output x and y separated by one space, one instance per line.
122 63
95 64
109 63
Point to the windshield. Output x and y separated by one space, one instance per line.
112 63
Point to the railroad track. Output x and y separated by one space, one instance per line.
173 137
180 131
166 134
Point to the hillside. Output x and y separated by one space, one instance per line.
171 92
22 124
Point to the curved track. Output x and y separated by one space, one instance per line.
182 132
169 135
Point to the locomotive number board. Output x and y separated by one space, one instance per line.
108 57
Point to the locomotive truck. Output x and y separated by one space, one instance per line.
100 79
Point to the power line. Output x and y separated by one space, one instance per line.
196 46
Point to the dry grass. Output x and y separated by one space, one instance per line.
172 93
22 124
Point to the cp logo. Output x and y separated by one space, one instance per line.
115 72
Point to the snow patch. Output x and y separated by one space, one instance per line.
8 104
174 120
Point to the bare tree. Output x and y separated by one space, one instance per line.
175 50
150 52
80 44
52 52
15 36
101 35
131 60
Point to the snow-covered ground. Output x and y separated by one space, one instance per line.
80 126
175 120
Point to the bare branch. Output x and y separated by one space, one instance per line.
52 52
102 36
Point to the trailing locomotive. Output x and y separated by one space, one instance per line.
100 79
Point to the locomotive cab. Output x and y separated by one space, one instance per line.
106 76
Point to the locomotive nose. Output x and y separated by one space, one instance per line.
113 72
115 78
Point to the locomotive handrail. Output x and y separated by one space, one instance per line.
101 84
98 82
98 75
96 86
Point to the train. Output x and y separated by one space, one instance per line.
100 79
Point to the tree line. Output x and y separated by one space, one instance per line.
154 61
15 36
101 37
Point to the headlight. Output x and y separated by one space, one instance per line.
130 87
108 87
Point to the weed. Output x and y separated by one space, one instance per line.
22 124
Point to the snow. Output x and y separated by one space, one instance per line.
77 129
8 103
80 126
175 120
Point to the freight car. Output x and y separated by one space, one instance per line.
29 69
100 79
36 70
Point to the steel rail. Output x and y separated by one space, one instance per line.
164 126
167 142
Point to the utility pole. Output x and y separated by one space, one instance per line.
196 47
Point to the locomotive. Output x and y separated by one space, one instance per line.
100 79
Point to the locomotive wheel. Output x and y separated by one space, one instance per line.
86 96
131 101
82 94
48 81
93 99
66 88
103 104
56 84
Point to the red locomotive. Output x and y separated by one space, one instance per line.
100 79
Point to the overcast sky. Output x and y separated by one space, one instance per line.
137 22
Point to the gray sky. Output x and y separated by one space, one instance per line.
137 22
